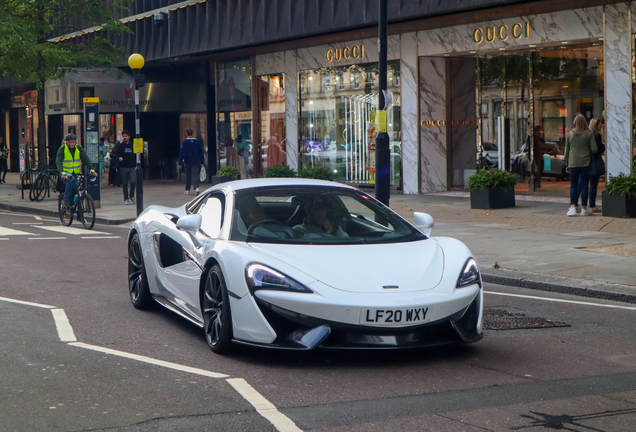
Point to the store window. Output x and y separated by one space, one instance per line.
567 80
234 116
273 145
337 121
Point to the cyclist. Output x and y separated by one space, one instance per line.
69 163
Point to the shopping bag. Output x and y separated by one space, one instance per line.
597 166
203 175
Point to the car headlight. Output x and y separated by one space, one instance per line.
260 277
470 274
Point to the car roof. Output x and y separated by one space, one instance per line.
237 185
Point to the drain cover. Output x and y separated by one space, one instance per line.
499 319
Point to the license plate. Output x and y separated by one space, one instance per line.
394 317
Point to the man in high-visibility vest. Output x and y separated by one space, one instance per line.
69 161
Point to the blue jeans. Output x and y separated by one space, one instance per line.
71 184
593 185
578 185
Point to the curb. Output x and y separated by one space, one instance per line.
563 289
54 214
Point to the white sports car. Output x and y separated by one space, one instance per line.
303 264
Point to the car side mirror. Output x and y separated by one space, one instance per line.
424 222
191 224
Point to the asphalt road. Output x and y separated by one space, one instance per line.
578 377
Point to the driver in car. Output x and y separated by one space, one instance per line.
257 224
318 222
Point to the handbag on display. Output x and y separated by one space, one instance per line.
597 165
203 175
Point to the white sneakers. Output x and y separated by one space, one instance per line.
133 200
584 212
196 191
187 192
127 202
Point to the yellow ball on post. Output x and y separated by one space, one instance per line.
136 61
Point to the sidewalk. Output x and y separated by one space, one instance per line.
534 245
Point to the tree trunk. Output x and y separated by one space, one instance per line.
42 141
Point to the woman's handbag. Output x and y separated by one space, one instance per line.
203 175
597 165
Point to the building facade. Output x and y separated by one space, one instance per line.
298 81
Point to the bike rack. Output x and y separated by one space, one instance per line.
26 179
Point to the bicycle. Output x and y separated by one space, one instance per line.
82 204
45 181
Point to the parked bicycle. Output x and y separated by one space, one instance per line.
46 181
82 204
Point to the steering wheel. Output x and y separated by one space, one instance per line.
255 225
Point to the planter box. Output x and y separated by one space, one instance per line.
492 198
216 179
619 206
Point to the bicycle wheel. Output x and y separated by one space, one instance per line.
66 216
86 211
42 187
35 186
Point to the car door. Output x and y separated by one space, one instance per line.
182 254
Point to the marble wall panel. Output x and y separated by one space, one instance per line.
410 122
291 108
618 87
432 79
269 63
577 24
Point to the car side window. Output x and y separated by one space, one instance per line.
212 212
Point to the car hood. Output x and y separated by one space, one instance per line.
403 267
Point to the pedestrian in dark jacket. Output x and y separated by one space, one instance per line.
127 163
191 155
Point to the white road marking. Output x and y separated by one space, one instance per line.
145 359
8 231
68 230
103 237
47 238
263 406
563 301
4 239
37 217
26 303
64 329
27 223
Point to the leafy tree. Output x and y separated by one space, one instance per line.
29 52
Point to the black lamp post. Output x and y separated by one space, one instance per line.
136 62
382 151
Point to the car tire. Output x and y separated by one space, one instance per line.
137 280
215 308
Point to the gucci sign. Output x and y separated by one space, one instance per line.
357 51
450 123
502 32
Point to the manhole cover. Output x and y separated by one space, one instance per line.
499 319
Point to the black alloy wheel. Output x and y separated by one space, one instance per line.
137 279
66 213
217 317
86 212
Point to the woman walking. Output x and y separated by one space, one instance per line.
595 127
579 146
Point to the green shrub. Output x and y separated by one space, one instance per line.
279 171
318 172
229 171
491 179
621 185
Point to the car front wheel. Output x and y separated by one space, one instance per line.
137 279
217 317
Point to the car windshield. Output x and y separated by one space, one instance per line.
316 215
490 147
